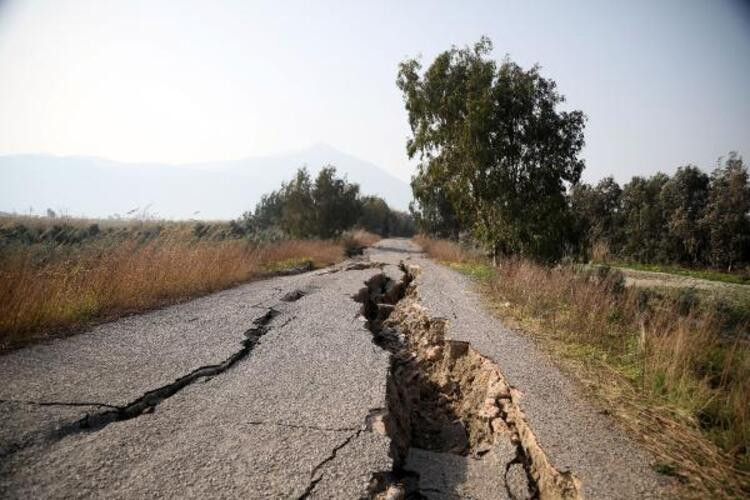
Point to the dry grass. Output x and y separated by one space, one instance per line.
357 240
446 250
676 377
47 288
362 237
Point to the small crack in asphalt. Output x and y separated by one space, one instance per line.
286 322
151 399
315 480
302 426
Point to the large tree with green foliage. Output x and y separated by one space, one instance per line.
493 142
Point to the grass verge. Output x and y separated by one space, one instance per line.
66 289
676 377
58 278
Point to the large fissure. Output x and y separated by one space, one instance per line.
445 399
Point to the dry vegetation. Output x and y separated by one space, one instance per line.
61 276
356 240
675 372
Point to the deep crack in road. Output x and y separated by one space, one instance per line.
351 384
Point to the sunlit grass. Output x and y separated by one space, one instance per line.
475 270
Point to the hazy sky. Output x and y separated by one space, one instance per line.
663 83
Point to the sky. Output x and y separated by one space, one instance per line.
663 83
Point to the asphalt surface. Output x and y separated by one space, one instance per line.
268 390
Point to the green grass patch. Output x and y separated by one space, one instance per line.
629 366
704 274
474 270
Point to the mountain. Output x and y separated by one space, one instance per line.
95 187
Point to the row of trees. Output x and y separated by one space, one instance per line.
690 218
499 162
323 208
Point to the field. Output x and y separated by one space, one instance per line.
671 363
62 275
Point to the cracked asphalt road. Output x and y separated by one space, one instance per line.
288 415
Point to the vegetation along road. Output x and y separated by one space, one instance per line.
379 377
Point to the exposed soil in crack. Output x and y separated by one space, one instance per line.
151 399
444 397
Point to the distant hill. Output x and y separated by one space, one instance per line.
95 187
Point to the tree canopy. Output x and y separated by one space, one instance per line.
496 152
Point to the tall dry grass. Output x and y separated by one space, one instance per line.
446 250
675 374
355 241
361 237
44 289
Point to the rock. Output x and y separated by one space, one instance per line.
394 492
433 353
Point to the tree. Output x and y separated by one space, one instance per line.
267 213
492 143
597 213
583 206
727 213
683 198
297 211
336 204
608 224
644 225
401 224
433 211
375 215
